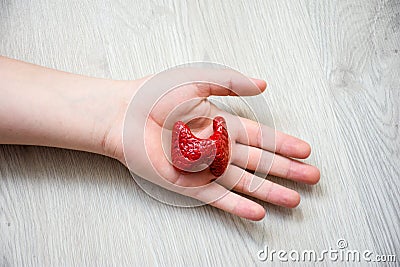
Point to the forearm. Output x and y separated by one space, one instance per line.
41 106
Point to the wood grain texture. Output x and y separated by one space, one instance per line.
360 57
333 74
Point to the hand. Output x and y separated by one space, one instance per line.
45 107
254 147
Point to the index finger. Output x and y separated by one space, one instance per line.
267 138
252 133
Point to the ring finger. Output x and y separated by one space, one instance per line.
241 181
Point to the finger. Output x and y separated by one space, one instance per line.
215 195
255 134
232 88
240 181
263 161
227 82
218 196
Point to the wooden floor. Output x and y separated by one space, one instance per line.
333 69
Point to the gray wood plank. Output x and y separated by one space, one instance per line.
359 46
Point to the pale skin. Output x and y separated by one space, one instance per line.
46 107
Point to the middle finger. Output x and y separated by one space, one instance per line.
266 162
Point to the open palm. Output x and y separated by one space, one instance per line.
254 147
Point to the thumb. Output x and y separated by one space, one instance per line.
225 82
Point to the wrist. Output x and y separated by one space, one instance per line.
45 107
111 112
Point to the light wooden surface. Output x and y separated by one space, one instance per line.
333 69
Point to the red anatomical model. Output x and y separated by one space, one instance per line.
189 152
